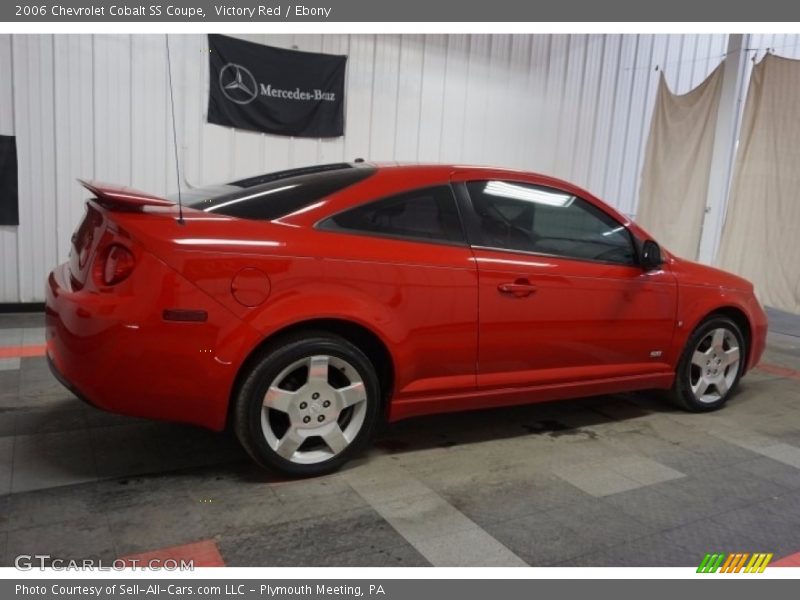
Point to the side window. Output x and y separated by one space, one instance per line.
424 214
519 216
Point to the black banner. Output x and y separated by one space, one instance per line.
9 204
273 90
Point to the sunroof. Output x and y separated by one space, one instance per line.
280 196
268 177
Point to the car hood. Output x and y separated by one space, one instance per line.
692 273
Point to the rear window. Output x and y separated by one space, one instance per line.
277 195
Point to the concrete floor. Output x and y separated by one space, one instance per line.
617 481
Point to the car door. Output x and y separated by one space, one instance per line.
561 297
406 257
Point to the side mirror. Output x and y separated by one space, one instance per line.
651 256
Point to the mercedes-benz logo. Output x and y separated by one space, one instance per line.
238 84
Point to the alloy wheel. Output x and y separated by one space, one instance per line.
314 409
714 365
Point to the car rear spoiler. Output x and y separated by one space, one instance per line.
114 197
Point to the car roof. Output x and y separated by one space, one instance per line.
447 170
412 169
441 169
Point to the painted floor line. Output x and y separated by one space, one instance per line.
23 351
793 560
202 554
10 364
436 529
778 370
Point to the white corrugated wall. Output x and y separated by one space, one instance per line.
96 106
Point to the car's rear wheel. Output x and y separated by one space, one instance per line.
308 405
710 367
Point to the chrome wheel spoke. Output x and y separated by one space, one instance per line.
279 399
732 356
718 339
335 439
352 394
699 359
699 388
289 443
318 369
722 386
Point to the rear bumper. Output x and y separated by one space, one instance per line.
66 383
116 352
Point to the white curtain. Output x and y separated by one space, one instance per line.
761 234
672 196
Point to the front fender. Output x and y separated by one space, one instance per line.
696 303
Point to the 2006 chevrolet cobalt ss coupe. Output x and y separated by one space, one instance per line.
303 306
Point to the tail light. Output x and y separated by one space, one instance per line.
113 265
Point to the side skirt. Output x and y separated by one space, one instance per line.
403 409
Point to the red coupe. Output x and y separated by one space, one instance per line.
301 307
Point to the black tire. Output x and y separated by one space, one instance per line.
681 393
247 415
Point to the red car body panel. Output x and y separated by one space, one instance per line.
704 289
454 342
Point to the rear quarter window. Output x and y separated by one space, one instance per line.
426 214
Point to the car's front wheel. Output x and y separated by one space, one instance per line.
711 366
309 404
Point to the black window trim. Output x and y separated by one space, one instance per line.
469 223
634 265
464 243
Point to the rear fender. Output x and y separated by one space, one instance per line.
284 310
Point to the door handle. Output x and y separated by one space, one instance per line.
521 288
